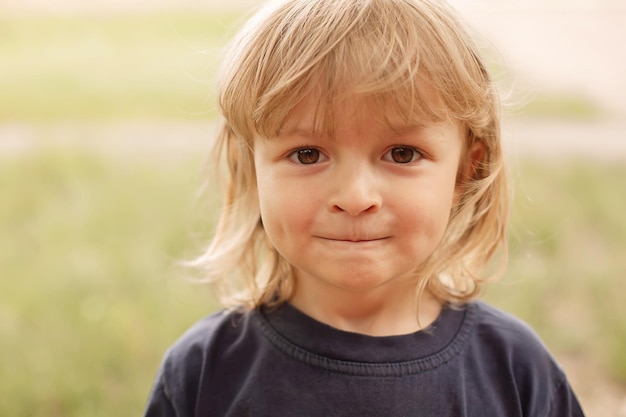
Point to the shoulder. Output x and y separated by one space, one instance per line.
189 359
204 331
501 336
204 337
507 350
497 326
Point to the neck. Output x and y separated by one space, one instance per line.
380 311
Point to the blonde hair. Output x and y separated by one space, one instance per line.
387 51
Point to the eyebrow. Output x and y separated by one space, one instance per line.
310 133
407 129
305 133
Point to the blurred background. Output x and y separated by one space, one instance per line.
106 117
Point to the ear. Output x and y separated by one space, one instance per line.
472 160
469 167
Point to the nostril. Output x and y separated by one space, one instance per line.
355 207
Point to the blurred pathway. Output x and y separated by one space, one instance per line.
560 139
546 139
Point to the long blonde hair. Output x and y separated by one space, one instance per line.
381 50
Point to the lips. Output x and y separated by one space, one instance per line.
353 239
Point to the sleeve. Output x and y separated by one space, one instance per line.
541 386
177 384
564 402
159 404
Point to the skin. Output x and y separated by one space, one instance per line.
356 214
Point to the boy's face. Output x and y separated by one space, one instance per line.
361 210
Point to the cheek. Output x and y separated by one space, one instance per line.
427 213
283 208
425 221
269 203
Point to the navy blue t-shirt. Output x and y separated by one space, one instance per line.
474 361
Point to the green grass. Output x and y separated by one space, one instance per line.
110 67
565 105
567 264
90 298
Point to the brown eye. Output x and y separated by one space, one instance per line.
403 155
308 156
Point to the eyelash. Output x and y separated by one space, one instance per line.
416 154
293 156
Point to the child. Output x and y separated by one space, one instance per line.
366 193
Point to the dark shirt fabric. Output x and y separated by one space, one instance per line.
474 361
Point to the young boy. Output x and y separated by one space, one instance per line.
366 193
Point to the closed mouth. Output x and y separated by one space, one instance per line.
353 240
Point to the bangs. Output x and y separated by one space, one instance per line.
385 52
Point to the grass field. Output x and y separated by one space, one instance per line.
105 68
90 294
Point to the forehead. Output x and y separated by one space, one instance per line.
323 116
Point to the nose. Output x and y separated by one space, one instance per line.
355 191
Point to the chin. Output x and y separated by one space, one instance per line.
361 282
